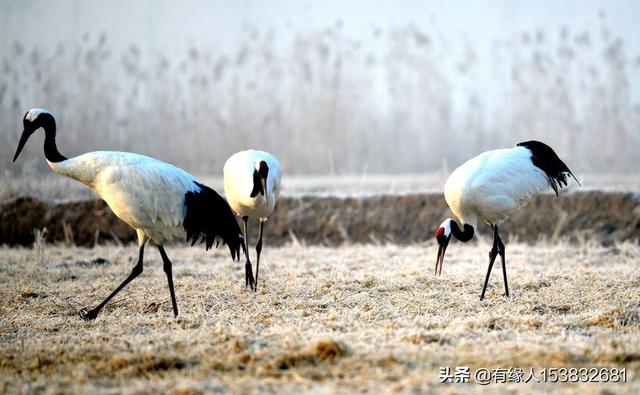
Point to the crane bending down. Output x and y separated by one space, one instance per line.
252 187
490 187
160 201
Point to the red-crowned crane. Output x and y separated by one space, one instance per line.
252 187
157 199
490 187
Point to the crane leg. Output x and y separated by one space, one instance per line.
248 273
137 269
501 252
258 251
167 269
492 257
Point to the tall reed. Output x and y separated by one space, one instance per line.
398 100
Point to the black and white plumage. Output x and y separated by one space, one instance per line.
252 187
490 187
160 201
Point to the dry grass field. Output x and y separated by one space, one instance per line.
358 318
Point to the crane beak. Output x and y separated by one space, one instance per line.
23 140
440 259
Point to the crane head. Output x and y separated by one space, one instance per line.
33 120
443 236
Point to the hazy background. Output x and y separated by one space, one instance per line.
331 87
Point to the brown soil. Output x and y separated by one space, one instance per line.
601 216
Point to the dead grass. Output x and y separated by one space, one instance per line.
369 318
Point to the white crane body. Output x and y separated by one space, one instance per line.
492 185
147 194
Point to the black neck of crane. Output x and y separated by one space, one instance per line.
257 185
50 149
463 236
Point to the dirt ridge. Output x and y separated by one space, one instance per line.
402 219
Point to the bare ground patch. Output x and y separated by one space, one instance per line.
367 318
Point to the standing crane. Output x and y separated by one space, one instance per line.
160 201
490 187
252 187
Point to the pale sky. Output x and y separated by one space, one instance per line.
168 24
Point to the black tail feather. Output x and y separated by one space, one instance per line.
209 216
544 158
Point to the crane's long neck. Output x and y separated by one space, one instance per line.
461 235
50 149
